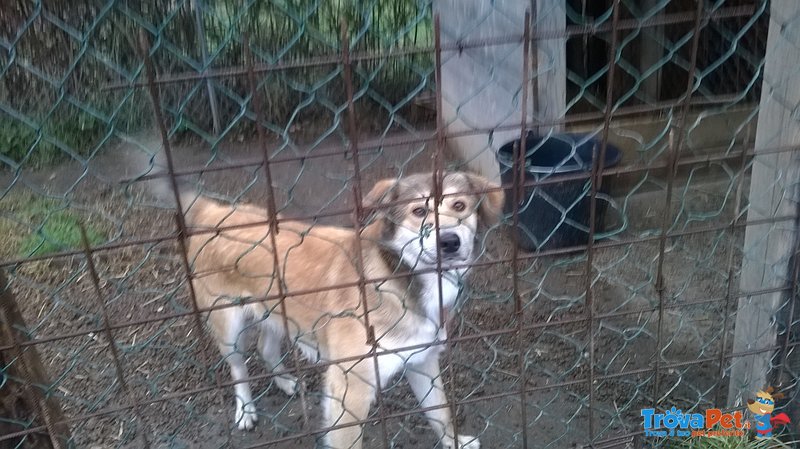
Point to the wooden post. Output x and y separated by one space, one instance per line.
481 86
773 193
23 394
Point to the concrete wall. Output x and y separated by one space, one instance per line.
481 87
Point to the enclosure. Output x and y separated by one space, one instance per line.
680 291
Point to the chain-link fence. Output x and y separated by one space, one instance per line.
645 256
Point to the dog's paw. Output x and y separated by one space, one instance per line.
246 417
468 442
464 442
287 384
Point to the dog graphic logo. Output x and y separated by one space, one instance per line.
762 408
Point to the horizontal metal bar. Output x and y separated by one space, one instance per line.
528 257
533 326
401 414
630 169
335 59
430 136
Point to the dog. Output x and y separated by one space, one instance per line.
235 261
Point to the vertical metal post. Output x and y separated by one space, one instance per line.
155 100
675 147
112 343
358 220
273 216
596 180
536 82
438 177
26 365
518 195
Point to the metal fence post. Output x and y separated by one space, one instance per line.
23 379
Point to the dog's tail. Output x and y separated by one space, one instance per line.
148 158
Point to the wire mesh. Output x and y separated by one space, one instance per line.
298 108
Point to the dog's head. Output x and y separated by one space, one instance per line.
404 213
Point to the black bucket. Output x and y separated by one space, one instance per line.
556 215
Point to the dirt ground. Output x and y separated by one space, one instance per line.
173 371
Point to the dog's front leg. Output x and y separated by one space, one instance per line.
425 379
348 396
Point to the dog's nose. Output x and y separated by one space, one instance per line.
449 243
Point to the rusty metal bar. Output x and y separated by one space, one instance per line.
569 31
438 197
533 256
155 100
674 152
596 180
635 110
501 332
26 365
441 142
535 83
478 335
359 220
272 214
695 160
168 397
520 150
112 343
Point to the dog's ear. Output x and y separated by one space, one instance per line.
490 204
381 193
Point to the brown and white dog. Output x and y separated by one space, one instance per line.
329 324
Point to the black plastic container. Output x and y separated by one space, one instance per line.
556 215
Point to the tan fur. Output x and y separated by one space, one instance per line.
238 264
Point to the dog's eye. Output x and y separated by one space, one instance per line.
459 206
420 211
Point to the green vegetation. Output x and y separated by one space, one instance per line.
60 231
17 139
33 226
21 143
730 442
58 105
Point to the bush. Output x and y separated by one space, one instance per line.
733 442
20 142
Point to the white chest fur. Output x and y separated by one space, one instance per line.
429 337
429 294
